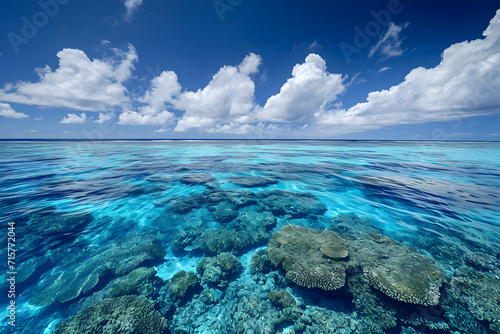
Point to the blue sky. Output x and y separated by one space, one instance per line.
395 69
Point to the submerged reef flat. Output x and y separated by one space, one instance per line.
349 278
297 238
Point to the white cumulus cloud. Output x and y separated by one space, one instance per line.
74 118
228 97
136 118
103 118
78 83
7 111
465 83
309 91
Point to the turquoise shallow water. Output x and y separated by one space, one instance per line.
88 214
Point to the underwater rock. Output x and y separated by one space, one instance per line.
218 270
298 250
126 314
68 282
260 262
480 293
398 271
282 202
197 178
281 299
253 181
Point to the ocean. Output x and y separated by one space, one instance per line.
250 237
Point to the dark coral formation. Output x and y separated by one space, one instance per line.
126 314
298 250
218 270
282 202
282 298
177 290
352 224
260 262
49 227
253 181
197 178
141 281
249 228
181 282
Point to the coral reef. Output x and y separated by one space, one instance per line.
253 181
218 270
48 226
126 314
352 224
224 212
68 282
181 282
249 228
281 299
260 262
197 178
479 293
301 253
399 271
175 292
367 303
282 202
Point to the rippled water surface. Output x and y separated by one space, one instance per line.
87 215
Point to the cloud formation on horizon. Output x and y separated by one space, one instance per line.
465 83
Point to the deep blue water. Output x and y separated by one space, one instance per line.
86 213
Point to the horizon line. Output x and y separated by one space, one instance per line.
242 139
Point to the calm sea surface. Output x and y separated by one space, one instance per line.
86 215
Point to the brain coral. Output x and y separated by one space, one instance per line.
311 258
